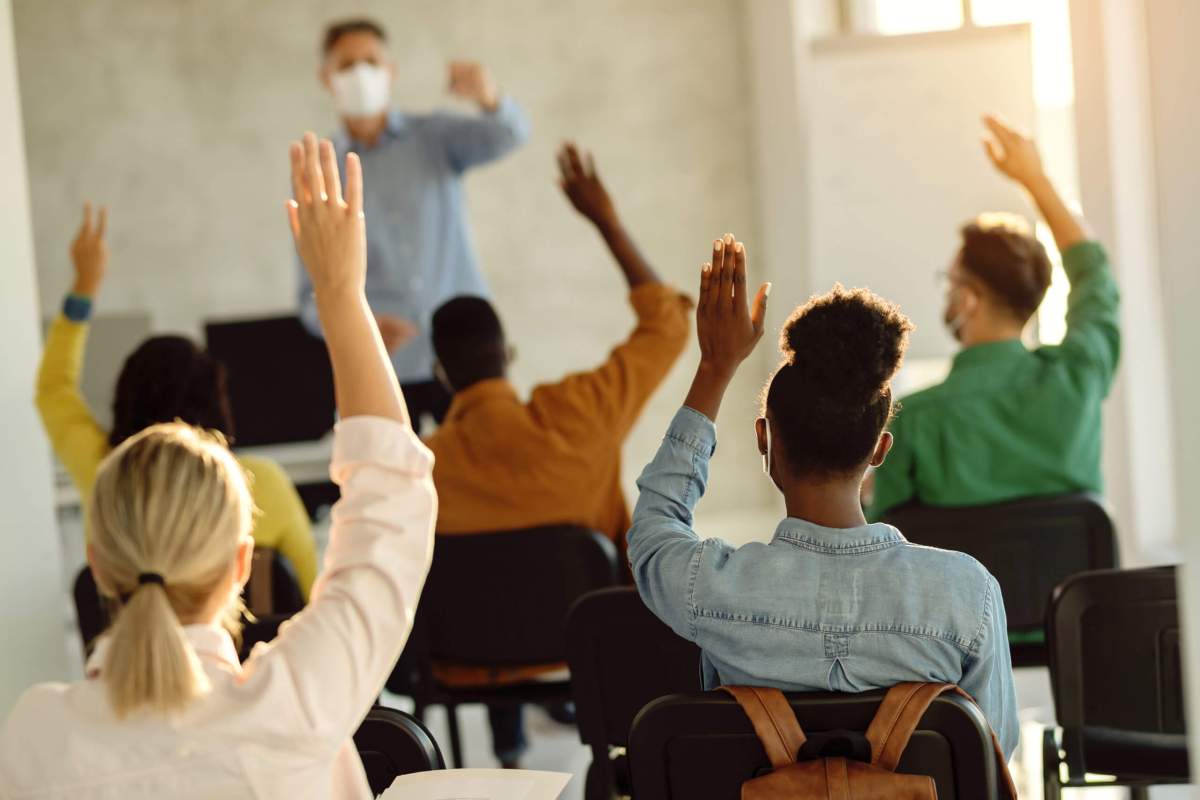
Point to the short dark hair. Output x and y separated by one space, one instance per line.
1003 254
170 378
339 29
831 397
468 341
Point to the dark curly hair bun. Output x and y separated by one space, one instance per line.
831 397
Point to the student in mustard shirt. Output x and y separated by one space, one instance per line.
167 378
503 462
1010 422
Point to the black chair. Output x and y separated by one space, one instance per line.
93 611
392 743
702 745
621 657
497 600
1029 545
270 359
1116 673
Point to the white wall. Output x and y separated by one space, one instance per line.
1175 100
177 115
31 611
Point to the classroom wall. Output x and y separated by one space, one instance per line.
1175 76
177 115
32 624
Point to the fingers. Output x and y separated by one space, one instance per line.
725 300
758 311
102 222
711 298
313 180
738 254
354 184
590 166
299 192
994 152
293 214
1003 132
85 226
574 160
702 304
564 163
329 171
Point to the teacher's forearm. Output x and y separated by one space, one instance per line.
1066 227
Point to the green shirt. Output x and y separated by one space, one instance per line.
1009 422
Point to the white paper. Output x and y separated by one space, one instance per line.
478 784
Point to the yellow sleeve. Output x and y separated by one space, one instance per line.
78 440
282 523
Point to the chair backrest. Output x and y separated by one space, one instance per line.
496 599
621 658
280 380
703 745
1116 669
111 339
1029 545
392 743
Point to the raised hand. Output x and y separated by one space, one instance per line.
582 186
1011 152
89 252
727 326
329 231
471 80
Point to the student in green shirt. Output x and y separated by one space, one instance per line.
1010 422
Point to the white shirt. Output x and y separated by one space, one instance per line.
280 724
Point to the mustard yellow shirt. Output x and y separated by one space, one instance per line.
81 444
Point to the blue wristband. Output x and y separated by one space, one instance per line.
77 308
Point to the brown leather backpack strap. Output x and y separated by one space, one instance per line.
1001 761
897 718
774 721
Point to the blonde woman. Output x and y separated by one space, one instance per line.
165 709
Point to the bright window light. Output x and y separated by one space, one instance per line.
1001 12
1052 314
893 17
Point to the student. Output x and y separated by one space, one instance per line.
167 378
831 603
165 709
503 463
1010 422
418 248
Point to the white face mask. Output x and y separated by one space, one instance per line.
362 90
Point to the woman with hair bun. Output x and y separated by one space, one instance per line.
831 603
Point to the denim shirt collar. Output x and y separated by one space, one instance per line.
841 541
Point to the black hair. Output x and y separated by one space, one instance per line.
831 397
170 378
1008 260
468 341
337 30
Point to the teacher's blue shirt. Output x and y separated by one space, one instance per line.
419 251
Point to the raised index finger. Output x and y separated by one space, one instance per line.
313 179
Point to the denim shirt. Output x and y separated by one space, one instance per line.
816 609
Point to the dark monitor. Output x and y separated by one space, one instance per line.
280 380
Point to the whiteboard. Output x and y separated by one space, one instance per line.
896 161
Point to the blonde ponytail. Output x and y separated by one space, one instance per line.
168 510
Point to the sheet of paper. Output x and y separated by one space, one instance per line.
478 784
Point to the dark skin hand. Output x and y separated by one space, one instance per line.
582 185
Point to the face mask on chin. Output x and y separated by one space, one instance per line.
361 91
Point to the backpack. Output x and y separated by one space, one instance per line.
835 777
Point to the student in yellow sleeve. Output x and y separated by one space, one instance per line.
167 378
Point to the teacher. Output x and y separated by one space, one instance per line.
419 251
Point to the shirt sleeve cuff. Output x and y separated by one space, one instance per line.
655 299
691 428
1082 256
380 442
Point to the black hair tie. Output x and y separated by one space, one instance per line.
150 577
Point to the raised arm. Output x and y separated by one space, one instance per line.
1093 339
665 553
337 653
498 129
582 185
1016 156
77 439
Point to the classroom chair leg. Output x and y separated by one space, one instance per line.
1139 793
1051 786
455 737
